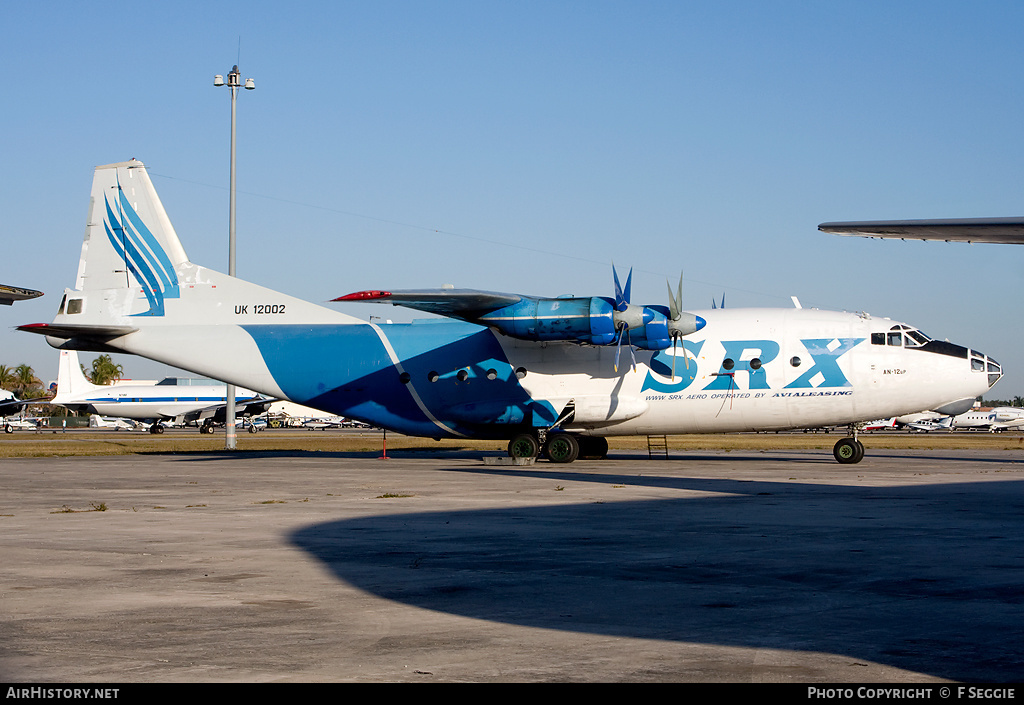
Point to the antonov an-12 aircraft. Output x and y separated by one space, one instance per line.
552 375
167 400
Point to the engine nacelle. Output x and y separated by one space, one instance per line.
581 320
591 320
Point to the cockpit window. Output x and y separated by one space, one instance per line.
917 337
900 335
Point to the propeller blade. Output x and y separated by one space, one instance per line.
675 302
624 331
632 353
622 295
618 346
674 358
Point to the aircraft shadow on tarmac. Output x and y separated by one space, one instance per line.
925 578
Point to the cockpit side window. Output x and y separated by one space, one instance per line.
916 337
878 338
895 338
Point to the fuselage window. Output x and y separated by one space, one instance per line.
728 364
755 364
433 376
794 361
463 375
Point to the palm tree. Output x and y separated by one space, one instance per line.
104 370
25 379
6 377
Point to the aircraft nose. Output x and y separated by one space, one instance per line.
980 362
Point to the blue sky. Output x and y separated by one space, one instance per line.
525 146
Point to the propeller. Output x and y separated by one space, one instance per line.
626 315
680 322
723 302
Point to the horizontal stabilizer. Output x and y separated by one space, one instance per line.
997 230
68 330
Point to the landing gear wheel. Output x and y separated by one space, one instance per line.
8 428
156 428
562 448
206 428
848 451
593 447
524 445
252 428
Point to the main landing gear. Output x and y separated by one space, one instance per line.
559 447
849 450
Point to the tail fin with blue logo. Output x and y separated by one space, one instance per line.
137 292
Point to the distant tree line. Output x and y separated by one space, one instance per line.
1016 401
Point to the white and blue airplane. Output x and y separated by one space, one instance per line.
167 400
543 373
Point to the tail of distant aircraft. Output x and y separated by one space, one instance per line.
71 381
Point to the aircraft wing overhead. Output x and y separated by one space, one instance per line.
465 304
996 230
10 294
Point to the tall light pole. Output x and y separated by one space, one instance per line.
234 83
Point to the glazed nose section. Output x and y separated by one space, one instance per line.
980 362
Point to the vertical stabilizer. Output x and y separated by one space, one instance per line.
129 240
71 382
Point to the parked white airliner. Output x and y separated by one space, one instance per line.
552 375
164 401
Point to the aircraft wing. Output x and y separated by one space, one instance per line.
466 304
218 412
998 230
10 294
10 406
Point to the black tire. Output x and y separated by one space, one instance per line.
8 428
524 445
848 451
562 448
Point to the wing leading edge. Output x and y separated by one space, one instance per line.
467 304
996 230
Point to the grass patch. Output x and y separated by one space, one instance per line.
91 443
